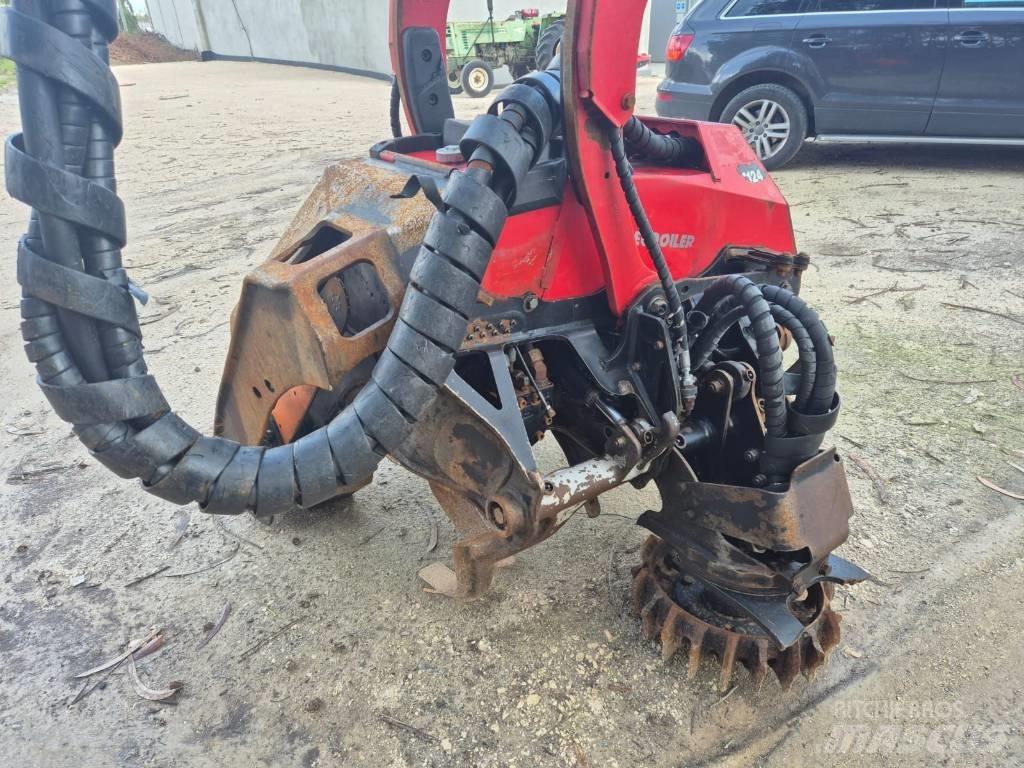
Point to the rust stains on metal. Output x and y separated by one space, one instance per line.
730 639
356 196
284 336
813 513
288 334
486 332
575 485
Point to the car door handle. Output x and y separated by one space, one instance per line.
817 41
971 38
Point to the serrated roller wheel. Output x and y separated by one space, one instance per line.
675 609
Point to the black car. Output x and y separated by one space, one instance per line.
850 70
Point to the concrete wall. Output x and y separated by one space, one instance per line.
342 33
175 20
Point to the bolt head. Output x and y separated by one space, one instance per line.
658 306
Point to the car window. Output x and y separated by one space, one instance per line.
850 6
763 7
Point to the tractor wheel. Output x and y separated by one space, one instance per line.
477 78
548 43
454 81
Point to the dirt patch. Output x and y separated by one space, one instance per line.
147 48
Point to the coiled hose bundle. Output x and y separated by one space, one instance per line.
79 321
794 431
733 298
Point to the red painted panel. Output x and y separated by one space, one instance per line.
695 213
523 253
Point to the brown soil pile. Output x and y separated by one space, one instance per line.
146 48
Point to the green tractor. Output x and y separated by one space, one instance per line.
525 41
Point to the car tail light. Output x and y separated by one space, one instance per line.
677 45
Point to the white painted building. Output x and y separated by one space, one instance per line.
344 34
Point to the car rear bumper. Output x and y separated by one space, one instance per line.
684 100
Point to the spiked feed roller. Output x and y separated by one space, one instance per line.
555 267
683 615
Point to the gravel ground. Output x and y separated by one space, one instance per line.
333 656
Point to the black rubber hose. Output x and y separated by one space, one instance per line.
822 396
719 324
678 151
122 349
124 420
396 108
39 100
675 318
771 379
727 314
808 356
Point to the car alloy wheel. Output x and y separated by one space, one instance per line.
765 126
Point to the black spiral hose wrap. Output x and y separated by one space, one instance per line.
752 302
808 355
822 395
727 313
80 324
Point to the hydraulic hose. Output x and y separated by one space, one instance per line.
822 398
54 232
677 151
726 314
721 321
675 319
80 324
792 434
808 356
752 302
396 109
